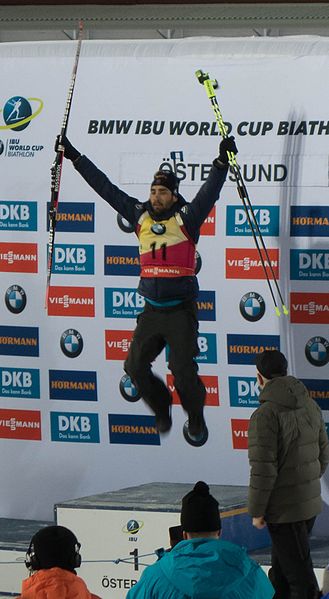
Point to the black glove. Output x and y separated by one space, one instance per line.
227 144
70 151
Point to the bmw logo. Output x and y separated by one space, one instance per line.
71 343
132 527
2 147
125 225
317 351
252 306
198 263
128 389
15 298
158 228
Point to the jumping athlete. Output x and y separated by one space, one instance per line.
168 229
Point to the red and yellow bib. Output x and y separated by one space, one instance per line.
169 254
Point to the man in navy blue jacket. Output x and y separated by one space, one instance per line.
168 230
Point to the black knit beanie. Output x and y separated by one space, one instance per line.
167 179
271 364
200 511
55 546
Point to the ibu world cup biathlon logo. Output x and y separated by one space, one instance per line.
18 112
15 299
252 306
132 527
71 343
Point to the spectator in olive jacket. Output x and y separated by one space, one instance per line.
288 453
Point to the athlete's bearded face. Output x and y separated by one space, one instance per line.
161 198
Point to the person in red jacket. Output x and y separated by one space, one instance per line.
52 558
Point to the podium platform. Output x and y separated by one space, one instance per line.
123 531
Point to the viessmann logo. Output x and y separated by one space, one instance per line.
71 301
239 427
210 383
209 225
117 344
18 257
245 263
20 424
309 308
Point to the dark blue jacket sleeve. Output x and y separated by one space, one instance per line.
118 199
196 212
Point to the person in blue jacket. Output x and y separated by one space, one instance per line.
202 566
168 230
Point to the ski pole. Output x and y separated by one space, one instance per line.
210 86
56 168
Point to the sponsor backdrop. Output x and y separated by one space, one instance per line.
65 429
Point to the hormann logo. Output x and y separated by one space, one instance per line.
122 303
206 304
319 391
244 392
73 259
312 265
20 383
209 225
71 301
239 427
20 424
73 385
210 383
267 218
18 216
309 307
243 349
117 344
133 430
74 427
74 217
309 221
19 341
245 263
18 257
121 260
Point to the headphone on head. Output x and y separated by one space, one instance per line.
56 554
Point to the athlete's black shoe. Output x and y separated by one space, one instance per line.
195 430
196 426
163 420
